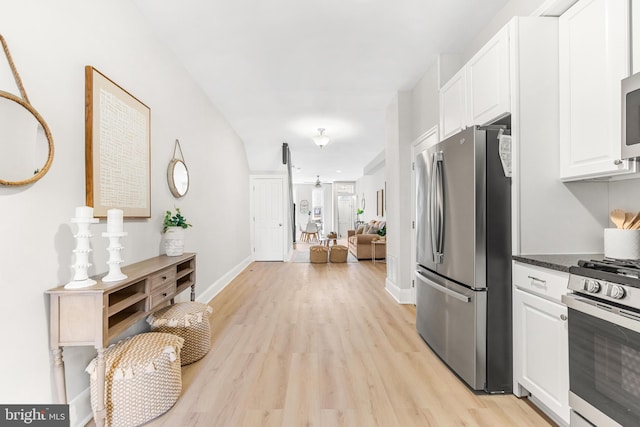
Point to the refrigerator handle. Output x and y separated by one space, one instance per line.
443 289
431 207
438 159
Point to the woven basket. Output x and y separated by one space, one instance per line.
188 320
338 253
318 254
142 378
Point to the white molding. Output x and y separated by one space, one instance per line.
80 412
401 295
553 7
216 287
376 164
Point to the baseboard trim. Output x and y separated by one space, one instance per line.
80 412
401 295
216 287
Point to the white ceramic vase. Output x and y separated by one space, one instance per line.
174 241
621 243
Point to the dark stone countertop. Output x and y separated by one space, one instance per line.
560 262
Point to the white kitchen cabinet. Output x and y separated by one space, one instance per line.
487 75
540 339
479 92
453 105
594 39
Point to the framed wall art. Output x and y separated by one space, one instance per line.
380 202
117 148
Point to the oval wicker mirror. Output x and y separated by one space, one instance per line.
178 174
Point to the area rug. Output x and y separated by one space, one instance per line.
303 256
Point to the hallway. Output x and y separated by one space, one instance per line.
298 344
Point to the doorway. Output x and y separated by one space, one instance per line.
346 213
269 235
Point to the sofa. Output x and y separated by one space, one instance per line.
360 240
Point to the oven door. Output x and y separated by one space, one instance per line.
604 362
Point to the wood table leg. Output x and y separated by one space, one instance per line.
58 372
101 412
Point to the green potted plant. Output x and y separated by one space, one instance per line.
174 220
359 212
173 228
383 233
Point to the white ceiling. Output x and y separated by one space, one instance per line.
280 69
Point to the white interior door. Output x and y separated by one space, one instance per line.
268 219
345 214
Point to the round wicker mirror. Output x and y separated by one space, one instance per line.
26 143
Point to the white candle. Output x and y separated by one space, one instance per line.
84 212
114 221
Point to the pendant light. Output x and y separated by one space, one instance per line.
321 139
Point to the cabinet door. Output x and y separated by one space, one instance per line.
594 57
487 76
453 105
541 347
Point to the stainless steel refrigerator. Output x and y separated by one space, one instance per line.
463 272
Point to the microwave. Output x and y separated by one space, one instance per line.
631 117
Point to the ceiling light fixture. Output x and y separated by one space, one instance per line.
318 184
321 139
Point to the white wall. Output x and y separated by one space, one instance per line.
367 187
51 42
398 142
425 104
511 9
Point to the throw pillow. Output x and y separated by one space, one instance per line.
360 229
373 230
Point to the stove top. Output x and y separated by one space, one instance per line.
627 268
608 279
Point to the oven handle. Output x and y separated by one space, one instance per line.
602 311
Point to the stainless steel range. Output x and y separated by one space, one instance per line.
604 343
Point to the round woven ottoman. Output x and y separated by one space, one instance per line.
318 254
188 320
143 378
338 253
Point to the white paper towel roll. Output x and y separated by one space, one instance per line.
621 244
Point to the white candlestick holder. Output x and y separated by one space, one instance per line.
83 248
115 258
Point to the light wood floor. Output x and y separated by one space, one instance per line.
298 344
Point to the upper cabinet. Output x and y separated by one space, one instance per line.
594 57
479 92
453 105
488 80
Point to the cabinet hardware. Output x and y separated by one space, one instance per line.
617 162
538 282
563 317
164 294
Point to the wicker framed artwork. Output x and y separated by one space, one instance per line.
117 148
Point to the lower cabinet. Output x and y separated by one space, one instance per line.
541 360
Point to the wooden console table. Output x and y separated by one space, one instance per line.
97 314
